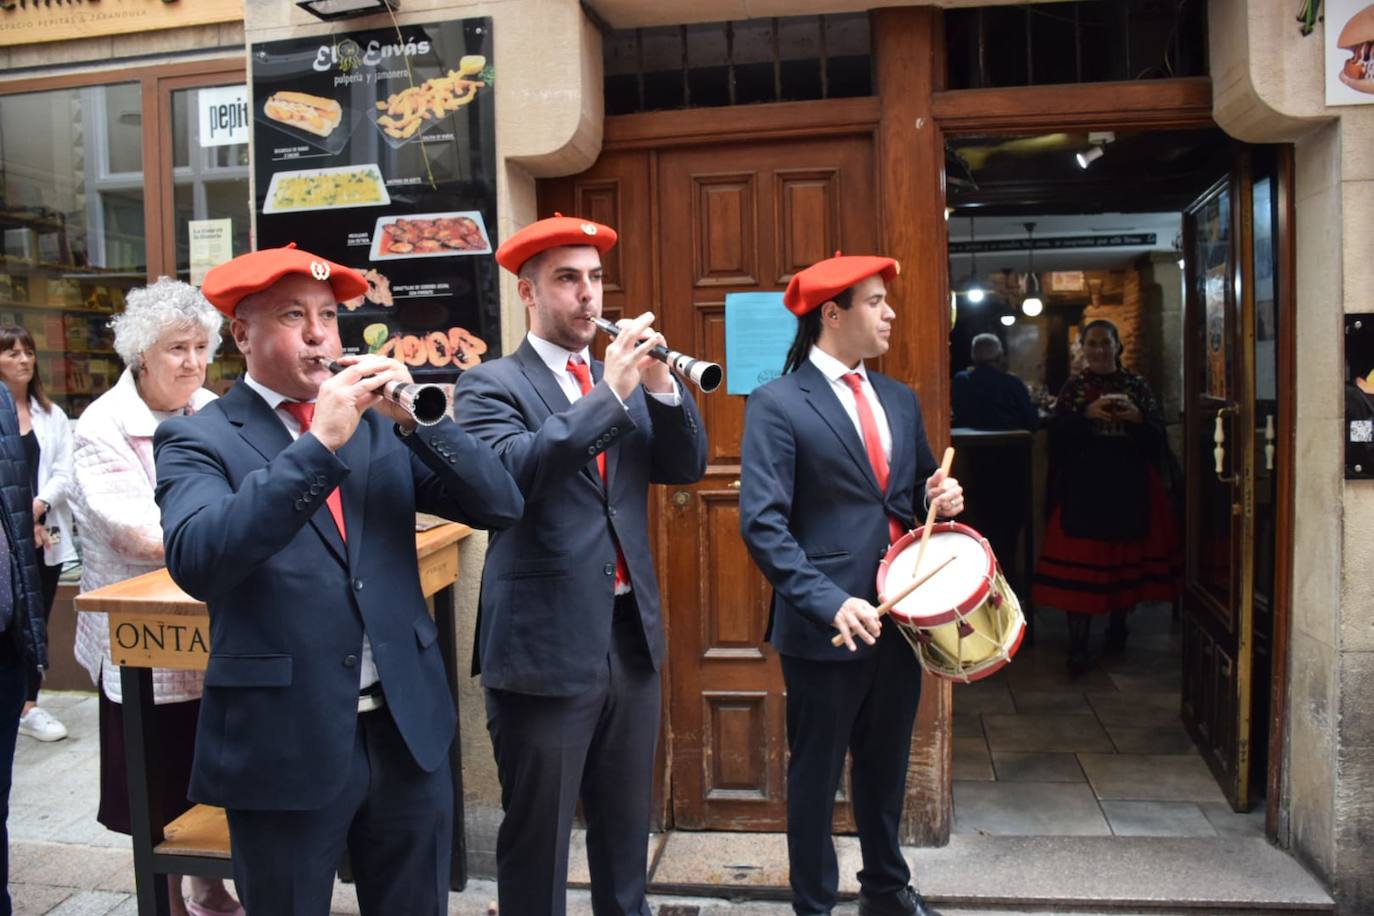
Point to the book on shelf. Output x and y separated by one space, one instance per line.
78 374
75 332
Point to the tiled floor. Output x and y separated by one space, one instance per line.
1038 753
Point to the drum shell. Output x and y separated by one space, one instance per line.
950 614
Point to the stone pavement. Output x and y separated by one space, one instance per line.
63 863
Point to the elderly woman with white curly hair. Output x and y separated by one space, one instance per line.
166 336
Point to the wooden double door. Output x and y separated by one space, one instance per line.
696 223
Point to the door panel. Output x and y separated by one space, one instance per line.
1229 406
750 215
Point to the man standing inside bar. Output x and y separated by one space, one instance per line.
835 462
288 506
570 635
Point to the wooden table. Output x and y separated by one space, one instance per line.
154 624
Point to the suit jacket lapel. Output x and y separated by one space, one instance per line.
541 379
612 453
355 454
262 429
821 395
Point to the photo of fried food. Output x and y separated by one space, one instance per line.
311 113
405 113
322 189
437 349
378 291
430 235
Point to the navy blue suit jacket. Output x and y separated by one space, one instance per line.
247 531
811 512
549 582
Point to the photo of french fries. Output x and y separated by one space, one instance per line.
405 113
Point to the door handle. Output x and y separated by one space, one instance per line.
1269 442
734 484
1219 440
681 498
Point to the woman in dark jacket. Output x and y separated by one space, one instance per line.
1112 539
23 642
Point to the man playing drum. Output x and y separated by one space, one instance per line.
833 459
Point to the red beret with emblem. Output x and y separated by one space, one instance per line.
226 285
557 231
826 279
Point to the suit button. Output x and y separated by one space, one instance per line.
615 430
315 489
610 511
357 585
350 661
300 504
609 569
591 450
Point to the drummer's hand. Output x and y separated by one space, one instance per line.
857 616
945 494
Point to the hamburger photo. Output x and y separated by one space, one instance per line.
1358 38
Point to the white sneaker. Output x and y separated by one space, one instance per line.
41 724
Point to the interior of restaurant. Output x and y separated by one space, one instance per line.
1048 233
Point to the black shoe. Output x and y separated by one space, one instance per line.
1077 665
1115 641
905 902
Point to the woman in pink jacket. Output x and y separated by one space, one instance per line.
166 336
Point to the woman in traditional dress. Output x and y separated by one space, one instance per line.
1112 538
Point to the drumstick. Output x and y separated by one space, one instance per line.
892 602
886 606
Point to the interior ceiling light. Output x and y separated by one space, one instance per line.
973 290
1008 319
1096 141
1032 305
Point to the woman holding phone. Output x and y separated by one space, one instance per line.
1112 539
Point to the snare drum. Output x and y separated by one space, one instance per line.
964 623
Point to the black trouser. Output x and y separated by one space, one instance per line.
47 583
866 707
599 746
395 819
12 670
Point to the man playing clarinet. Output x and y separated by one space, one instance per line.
570 636
835 467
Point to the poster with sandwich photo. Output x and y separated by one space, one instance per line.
377 149
1349 52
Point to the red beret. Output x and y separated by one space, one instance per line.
554 232
226 285
826 279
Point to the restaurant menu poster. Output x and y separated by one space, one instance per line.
377 150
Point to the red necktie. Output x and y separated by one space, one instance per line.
873 443
579 371
305 415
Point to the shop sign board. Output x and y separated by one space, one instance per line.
377 149
223 115
25 22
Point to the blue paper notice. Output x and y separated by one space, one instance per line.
758 331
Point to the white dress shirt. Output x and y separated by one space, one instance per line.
367 671
834 370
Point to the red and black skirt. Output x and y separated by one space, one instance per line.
1085 575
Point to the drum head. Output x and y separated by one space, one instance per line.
955 589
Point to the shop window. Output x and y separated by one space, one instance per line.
72 214
1076 42
782 59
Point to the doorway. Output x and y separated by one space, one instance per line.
1167 731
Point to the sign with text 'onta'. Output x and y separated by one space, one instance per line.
24 22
